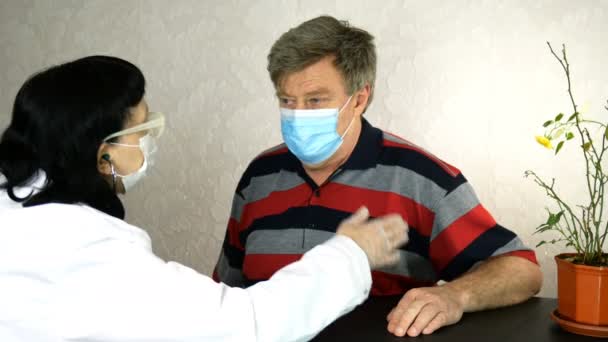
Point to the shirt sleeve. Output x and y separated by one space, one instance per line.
229 267
121 292
465 233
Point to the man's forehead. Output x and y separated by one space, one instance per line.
317 77
313 89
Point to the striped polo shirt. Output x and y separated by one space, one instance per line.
279 213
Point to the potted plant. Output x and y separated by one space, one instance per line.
582 276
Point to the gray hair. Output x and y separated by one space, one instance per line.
306 44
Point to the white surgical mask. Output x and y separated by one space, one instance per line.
148 146
154 126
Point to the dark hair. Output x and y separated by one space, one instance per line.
60 118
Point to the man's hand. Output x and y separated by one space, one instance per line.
379 238
497 282
424 310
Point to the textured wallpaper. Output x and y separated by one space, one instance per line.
471 81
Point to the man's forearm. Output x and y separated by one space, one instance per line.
497 282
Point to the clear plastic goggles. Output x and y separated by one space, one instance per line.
154 125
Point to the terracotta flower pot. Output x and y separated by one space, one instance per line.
582 292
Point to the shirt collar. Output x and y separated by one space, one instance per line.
367 150
365 154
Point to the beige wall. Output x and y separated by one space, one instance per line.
470 81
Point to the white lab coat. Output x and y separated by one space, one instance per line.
72 273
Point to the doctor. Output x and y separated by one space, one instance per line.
72 270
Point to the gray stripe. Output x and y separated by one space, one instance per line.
285 241
514 245
433 157
394 179
453 206
289 241
238 203
260 187
414 266
228 274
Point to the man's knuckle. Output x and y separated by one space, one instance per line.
413 293
441 319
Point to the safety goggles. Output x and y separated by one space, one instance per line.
154 125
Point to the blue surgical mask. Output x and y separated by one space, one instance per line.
311 134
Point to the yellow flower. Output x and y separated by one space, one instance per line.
546 142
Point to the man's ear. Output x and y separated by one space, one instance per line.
104 158
361 98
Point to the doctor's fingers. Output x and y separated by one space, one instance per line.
394 229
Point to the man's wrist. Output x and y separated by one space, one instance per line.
461 294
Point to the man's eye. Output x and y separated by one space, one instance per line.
314 100
285 101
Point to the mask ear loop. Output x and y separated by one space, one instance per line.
113 177
351 120
106 157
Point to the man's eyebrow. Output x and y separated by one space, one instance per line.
320 91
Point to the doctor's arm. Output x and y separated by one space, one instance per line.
133 296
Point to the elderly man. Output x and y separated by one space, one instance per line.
292 197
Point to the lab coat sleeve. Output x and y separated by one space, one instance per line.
119 292
302 298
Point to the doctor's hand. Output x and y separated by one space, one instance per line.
379 238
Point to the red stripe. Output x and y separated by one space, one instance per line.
233 234
258 267
263 266
344 198
386 284
453 171
276 203
348 198
526 254
455 238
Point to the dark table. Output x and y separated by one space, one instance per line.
529 321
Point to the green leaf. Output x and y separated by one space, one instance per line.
606 133
559 147
554 218
541 243
558 216
572 116
587 146
543 228
547 123
559 117
570 135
